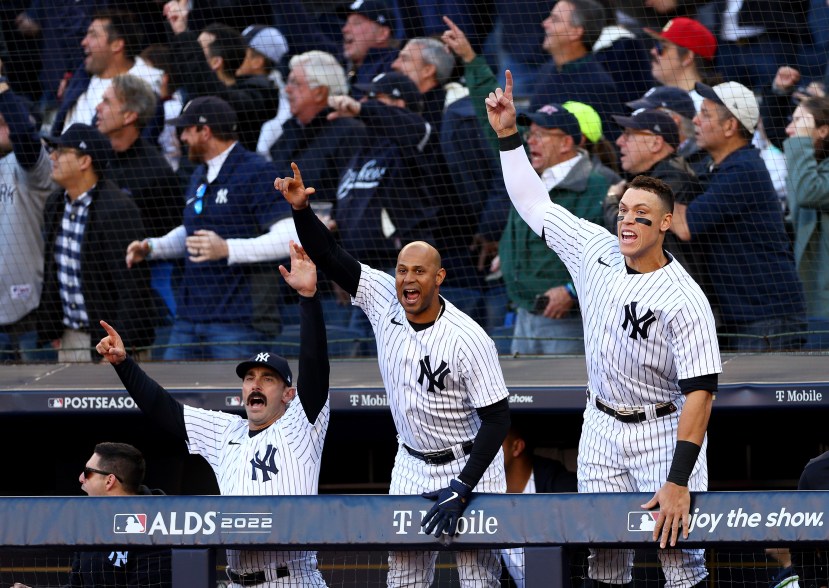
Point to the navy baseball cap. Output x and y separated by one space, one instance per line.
670 97
207 110
396 85
658 122
553 116
375 10
267 359
86 139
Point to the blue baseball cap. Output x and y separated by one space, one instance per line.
553 116
88 140
267 359
670 97
375 10
396 85
657 122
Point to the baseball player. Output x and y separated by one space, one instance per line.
443 380
276 450
651 350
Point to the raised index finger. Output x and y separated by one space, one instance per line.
452 26
508 85
108 328
297 173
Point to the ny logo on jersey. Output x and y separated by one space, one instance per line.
639 326
266 464
436 377
221 196
118 558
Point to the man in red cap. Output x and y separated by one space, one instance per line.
683 55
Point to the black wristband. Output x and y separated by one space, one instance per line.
685 458
511 142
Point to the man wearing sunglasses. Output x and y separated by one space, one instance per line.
682 55
117 469
226 303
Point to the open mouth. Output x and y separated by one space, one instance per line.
628 236
257 399
411 296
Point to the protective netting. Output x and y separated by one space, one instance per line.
406 156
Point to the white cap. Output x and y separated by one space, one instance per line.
739 100
266 40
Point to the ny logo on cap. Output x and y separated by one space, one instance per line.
202 120
82 144
548 109
262 357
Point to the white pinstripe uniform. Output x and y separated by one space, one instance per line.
643 334
282 460
434 379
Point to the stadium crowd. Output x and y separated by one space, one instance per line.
139 141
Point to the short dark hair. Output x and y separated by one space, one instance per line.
123 460
724 114
591 16
227 44
818 107
655 186
121 24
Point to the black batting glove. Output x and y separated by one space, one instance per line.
444 515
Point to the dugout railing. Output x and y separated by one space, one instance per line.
546 524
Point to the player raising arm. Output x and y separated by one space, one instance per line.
277 449
443 381
651 351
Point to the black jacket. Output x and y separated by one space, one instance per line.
321 149
118 295
142 172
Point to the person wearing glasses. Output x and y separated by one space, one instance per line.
88 224
548 320
226 302
682 55
117 469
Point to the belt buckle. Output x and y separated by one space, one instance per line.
433 457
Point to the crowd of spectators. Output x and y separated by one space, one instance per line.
201 103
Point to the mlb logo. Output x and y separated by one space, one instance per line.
55 402
233 401
130 523
642 520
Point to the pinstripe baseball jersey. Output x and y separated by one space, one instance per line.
643 332
434 378
283 459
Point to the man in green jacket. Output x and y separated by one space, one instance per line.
538 284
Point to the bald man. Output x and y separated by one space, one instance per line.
443 381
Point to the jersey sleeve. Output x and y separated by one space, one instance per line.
375 292
484 379
694 342
206 432
562 231
305 438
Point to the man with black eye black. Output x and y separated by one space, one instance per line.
651 351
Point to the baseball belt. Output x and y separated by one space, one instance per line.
636 416
439 457
258 577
